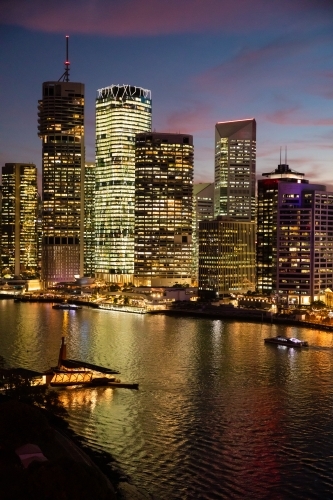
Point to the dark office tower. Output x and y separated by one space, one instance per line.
19 219
163 209
89 219
121 112
61 128
294 236
235 169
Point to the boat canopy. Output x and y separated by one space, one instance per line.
72 363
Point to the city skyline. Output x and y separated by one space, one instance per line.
202 64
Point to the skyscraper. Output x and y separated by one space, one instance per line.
89 219
121 112
61 128
163 209
235 169
19 254
227 256
203 209
294 237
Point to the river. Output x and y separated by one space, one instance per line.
219 414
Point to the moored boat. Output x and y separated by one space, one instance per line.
286 341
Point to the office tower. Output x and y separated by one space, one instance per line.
226 257
19 218
121 112
294 237
235 169
163 209
89 219
203 208
61 128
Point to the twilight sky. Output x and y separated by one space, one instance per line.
204 61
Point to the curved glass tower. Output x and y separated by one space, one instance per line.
121 112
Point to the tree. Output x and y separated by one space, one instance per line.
318 304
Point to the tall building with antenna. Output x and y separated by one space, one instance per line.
121 112
61 129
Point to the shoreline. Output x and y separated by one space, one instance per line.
210 312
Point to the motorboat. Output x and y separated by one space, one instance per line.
65 305
286 341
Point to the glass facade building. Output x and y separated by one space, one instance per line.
121 112
19 241
226 256
235 169
163 209
61 128
294 237
203 209
89 219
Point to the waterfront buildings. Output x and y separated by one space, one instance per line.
226 256
61 129
294 237
121 112
163 209
89 219
235 169
203 208
19 242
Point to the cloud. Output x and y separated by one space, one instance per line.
151 17
194 117
293 116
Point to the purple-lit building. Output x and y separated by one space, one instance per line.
294 237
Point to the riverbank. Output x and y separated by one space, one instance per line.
245 315
68 467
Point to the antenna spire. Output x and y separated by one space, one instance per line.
65 76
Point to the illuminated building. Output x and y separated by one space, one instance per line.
61 128
163 209
89 219
226 256
235 169
19 243
203 208
294 237
121 112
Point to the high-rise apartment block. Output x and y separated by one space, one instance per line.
226 256
235 169
121 112
19 242
294 237
163 209
61 128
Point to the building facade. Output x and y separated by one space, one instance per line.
226 257
19 241
235 169
61 129
89 219
294 237
163 209
121 112
203 209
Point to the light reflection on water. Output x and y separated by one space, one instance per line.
219 414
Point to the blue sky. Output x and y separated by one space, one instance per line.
204 61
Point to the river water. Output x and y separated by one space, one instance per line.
219 414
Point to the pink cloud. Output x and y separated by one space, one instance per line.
293 116
195 117
147 17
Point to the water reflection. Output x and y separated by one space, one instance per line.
219 414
